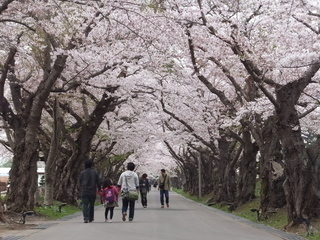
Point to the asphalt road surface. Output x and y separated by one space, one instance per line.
185 220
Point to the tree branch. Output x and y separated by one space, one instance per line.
189 128
307 112
5 5
18 22
307 25
203 79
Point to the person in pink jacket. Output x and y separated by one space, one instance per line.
109 198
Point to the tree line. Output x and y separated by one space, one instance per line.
224 87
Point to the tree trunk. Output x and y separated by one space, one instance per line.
66 184
53 155
313 151
272 193
2 218
247 170
231 177
300 183
23 174
208 171
225 191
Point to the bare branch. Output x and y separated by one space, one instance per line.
6 145
307 112
312 97
268 95
18 22
189 128
314 14
203 79
231 78
307 25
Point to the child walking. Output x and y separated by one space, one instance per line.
109 198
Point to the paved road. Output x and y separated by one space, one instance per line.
185 220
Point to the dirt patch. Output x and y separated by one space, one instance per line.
14 225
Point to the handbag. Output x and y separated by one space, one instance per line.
132 195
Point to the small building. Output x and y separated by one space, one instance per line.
4 177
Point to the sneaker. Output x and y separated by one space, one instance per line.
124 216
144 206
130 219
162 206
86 221
167 204
110 221
106 220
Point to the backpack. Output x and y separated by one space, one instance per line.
109 195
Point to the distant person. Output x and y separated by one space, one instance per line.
109 195
89 182
155 184
144 189
128 181
150 185
164 184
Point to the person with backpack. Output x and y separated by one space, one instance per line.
128 182
109 198
144 189
164 184
89 182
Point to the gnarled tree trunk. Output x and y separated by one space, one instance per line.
272 192
247 170
225 190
300 183
66 184
25 125
53 155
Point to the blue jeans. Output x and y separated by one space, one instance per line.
125 204
164 193
88 207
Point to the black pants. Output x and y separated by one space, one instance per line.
106 212
144 200
88 207
125 204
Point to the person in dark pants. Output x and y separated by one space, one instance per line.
128 181
109 198
89 183
164 184
144 189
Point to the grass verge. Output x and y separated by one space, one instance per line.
277 220
53 213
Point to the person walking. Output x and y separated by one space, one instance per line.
109 198
144 189
89 182
128 181
164 184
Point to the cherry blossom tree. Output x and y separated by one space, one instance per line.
246 42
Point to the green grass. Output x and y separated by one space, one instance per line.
52 212
276 220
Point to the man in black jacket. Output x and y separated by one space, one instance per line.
89 183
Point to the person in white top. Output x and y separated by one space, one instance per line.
129 181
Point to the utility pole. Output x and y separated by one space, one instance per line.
199 175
